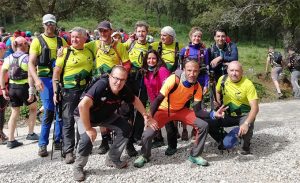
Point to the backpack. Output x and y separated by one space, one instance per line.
44 58
178 73
15 71
276 58
200 58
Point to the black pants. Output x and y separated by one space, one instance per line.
135 82
70 101
3 104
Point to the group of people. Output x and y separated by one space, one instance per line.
277 63
108 83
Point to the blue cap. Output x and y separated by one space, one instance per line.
231 139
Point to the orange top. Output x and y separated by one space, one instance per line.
180 96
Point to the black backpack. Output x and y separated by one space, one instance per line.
44 58
15 71
276 58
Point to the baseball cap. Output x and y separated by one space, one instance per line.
116 33
2 45
49 18
231 139
104 25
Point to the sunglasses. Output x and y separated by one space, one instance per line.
50 23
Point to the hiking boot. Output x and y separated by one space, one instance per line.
69 158
198 160
78 174
32 136
119 164
43 151
13 144
140 162
170 151
131 150
57 146
185 135
104 147
158 143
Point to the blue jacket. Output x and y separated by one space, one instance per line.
194 52
228 53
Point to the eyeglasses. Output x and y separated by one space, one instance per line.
50 23
118 79
103 30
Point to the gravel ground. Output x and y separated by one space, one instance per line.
275 158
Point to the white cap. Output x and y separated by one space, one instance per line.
168 30
49 18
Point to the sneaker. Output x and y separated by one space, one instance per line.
69 158
158 143
78 174
140 162
57 146
185 135
32 136
198 160
43 151
244 151
13 144
131 150
170 151
279 95
104 147
119 164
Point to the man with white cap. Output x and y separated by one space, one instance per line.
42 54
168 48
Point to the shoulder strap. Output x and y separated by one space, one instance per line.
159 48
21 58
131 46
223 86
42 42
59 42
187 52
175 86
64 65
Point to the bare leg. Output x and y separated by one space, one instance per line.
15 112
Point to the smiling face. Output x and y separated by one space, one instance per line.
117 79
166 39
77 40
152 60
220 38
196 37
235 71
141 33
191 70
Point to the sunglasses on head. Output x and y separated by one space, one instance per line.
50 23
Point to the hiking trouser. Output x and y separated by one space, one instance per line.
186 116
136 84
216 128
114 122
48 104
70 100
295 76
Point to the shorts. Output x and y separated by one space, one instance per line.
19 94
275 73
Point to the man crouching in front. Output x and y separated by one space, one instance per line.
97 108
171 106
